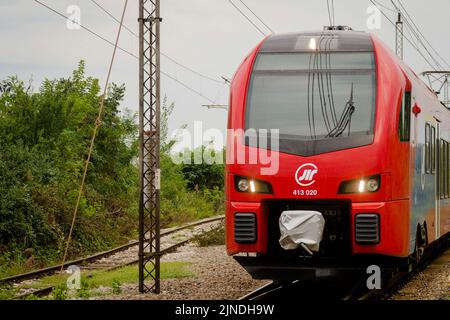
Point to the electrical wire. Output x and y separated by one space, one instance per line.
384 6
416 35
257 17
426 40
125 51
162 53
329 13
188 87
94 135
114 18
332 9
410 42
86 28
248 19
413 38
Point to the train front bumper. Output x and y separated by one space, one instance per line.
393 227
318 269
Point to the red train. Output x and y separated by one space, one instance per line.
360 158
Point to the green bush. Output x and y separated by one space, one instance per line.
44 140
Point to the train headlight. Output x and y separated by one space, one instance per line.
252 186
364 185
243 185
373 185
247 185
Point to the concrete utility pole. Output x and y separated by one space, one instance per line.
149 136
399 36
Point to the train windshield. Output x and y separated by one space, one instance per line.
319 102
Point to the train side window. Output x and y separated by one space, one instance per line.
433 149
448 170
427 148
446 177
441 167
444 169
404 126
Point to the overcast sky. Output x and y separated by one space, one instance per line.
209 36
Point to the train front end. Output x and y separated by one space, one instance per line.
310 186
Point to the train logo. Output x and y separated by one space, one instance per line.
305 174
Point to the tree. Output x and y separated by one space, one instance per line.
204 175
44 138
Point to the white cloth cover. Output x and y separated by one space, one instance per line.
298 226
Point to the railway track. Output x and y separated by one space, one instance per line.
400 279
282 291
285 291
91 262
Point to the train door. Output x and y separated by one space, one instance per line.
438 164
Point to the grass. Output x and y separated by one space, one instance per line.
16 262
100 278
6 293
129 274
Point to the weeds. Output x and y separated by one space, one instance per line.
60 292
213 237
116 286
83 292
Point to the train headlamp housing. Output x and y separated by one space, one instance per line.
249 185
364 185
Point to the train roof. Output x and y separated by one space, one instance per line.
327 41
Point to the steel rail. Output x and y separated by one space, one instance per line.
100 255
359 291
43 292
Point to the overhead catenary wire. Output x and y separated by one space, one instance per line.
410 42
384 6
85 28
94 135
162 53
124 51
257 17
247 18
188 87
113 17
416 35
420 32
413 38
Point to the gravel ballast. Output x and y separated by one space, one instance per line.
433 283
216 276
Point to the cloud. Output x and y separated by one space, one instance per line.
209 36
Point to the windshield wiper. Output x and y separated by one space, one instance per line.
345 119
